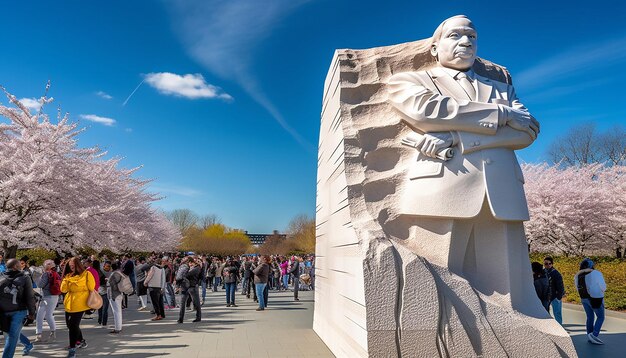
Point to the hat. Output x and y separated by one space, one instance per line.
586 263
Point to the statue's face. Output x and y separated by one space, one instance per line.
457 46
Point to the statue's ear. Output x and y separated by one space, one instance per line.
433 49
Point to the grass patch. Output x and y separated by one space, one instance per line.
613 270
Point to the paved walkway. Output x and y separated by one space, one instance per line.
283 330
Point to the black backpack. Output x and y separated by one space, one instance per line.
11 293
581 285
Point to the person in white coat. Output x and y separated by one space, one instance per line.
591 286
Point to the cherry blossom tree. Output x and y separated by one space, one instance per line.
56 195
577 209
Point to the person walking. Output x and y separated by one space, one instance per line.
76 286
140 274
284 267
261 278
542 286
128 269
115 296
591 286
217 282
17 302
295 271
169 296
557 289
103 312
155 281
188 278
50 285
230 275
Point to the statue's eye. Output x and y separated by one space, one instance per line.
453 35
472 36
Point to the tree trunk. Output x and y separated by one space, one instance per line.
9 251
618 252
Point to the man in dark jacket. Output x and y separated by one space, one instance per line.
17 301
190 278
261 277
295 272
557 289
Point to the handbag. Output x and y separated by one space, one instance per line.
94 301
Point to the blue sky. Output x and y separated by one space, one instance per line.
227 118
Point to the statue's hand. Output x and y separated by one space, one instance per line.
522 121
433 143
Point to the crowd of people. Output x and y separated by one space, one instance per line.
590 285
90 286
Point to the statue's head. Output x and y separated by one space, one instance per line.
454 43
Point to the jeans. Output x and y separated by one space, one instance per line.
590 311
14 333
216 283
296 286
286 281
204 283
230 292
170 296
46 311
557 309
103 312
260 288
72 320
116 308
195 297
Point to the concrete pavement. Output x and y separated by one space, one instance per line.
283 330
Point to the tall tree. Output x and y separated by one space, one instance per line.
584 144
56 195
183 219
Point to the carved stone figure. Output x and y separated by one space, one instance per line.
421 247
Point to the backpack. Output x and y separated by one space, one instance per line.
125 286
10 293
581 285
54 283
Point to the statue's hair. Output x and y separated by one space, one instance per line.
439 30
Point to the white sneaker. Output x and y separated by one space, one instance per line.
593 339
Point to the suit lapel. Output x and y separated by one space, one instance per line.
448 85
484 89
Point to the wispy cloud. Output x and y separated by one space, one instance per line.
574 61
213 35
104 95
176 189
192 86
98 119
31 103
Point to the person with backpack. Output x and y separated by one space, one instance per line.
155 282
17 302
295 271
117 284
591 286
50 285
76 285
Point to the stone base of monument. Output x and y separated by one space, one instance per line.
442 315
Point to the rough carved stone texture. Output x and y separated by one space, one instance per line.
374 296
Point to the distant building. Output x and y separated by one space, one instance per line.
259 239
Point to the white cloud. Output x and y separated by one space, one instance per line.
104 95
190 86
102 120
31 103
177 190
213 35
588 59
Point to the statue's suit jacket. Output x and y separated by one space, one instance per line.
484 164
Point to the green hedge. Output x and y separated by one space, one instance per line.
613 270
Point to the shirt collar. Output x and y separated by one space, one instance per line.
452 72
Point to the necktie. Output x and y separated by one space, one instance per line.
467 85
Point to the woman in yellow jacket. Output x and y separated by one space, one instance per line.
76 286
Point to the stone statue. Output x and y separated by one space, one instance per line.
421 246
